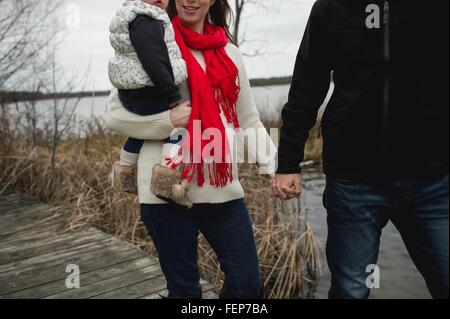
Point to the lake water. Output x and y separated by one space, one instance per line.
269 101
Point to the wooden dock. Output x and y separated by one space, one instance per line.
36 248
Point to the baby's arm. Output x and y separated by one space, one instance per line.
147 37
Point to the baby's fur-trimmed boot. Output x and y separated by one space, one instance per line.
124 178
167 185
180 194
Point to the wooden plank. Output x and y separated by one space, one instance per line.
87 277
51 245
32 232
110 284
6 205
17 199
55 270
156 294
137 290
24 213
32 262
207 289
35 248
33 224
23 209
39 238
37 235
22 219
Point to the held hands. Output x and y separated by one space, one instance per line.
180 114
287 186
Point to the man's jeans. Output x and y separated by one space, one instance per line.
357 213
228 230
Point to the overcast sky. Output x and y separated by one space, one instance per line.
282 29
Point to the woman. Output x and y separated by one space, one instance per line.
219 211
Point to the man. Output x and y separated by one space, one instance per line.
385 130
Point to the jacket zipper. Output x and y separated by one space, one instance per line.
387 58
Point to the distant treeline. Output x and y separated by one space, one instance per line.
271 81
8 97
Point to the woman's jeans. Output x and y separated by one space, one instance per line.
357 213
226 227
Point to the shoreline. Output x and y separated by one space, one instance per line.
7 97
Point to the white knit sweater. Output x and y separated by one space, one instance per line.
155 128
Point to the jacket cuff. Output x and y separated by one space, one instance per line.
288 167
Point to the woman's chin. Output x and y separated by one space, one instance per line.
189 20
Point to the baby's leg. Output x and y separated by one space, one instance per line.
166 181
130 152
124 173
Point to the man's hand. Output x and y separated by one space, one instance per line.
287 186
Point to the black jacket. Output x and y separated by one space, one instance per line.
147 37
389 113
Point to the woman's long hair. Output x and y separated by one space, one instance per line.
220 14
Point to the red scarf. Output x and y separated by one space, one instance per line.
217 88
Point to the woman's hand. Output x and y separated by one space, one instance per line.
179 115
287 186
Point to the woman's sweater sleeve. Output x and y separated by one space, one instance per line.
249 119
152 127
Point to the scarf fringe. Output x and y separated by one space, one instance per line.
219 174
224 95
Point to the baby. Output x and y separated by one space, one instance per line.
149 73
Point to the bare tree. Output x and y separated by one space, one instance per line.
240 16
57 80
26 28
31 34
